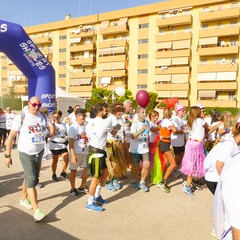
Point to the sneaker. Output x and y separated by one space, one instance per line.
38 215
197 186
54 178
143 186
39 185
94 207
83 190
99 200
74 192
187 190
116 184
163 186
135 185
109 186
64 175
26 203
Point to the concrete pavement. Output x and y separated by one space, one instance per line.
129 214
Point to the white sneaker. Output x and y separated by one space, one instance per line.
25 203
38 215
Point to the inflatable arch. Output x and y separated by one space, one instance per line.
20 49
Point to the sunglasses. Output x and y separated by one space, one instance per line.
36 104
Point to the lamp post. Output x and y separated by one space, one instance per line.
112 46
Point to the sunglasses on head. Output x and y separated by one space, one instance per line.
36 104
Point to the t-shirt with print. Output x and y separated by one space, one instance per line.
152 135
57 141
78 133
9 119
32 132
3 121
140 144
177 140
119 136
97 130
127 121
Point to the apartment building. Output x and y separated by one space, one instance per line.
178 48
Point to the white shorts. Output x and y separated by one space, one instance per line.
81 161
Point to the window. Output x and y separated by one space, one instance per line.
187 12
144 25
114 37
162 32
218 60
163 16
105 38
204 62
234 23
62 37
234 4
187 29
233 42
142 86
4 79
206 9
219 7
142 41
174 30
142 71
62 50
62 75
204 26
4 68
141 56
219 25
4 57
62 63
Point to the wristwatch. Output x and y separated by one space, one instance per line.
7 156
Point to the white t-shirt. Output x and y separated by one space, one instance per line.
166 123
140 144
97 130
225 151
3 121
127 121
79 134
226 207
213 135
9 119
152 135
197 132
177 140
32 132
119 135
57 141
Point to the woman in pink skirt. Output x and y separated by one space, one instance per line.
192 163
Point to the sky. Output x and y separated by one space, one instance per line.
35 12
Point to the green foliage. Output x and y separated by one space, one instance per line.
234 111
11 101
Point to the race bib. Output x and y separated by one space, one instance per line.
40 139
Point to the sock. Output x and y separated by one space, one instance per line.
97 192
90 200
142 181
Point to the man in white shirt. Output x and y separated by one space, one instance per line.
31 125
9 119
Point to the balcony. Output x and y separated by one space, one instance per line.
87 74
84 32
218 68
172 70
173 53
81 61
171 86
219 15
42 40
173 37
219 32
82 48
23 90
115 73
80 88
115 58
113 30
217 86
217 103
109 44
175 21
216 51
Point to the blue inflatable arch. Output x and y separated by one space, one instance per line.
20 49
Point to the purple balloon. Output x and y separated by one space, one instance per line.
142 98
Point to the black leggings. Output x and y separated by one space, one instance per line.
212 186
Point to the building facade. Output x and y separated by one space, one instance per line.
179 48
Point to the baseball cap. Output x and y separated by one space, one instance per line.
179 107
200 106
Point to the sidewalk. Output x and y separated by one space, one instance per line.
129 214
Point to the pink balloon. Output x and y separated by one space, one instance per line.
142 98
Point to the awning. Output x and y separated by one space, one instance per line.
15 72
226 76
163 78
183 44
163 62
208 41
179 78
164 94
105 80
104 24
180 61
75 40
114 50
211 76
164 45
104 51
122 21
179 94
207 93
80 81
